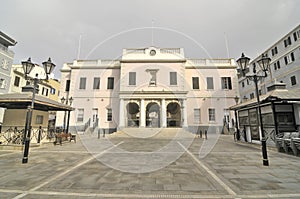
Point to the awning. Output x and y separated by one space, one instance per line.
279 95
23 100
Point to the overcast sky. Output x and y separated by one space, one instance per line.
53 28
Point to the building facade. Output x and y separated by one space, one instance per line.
48 89
284 66
280 111
149 87
6 60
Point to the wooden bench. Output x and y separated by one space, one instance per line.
59 137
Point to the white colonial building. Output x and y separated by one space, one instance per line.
284 66
149 87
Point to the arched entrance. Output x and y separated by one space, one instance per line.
173 115
133 115
153 115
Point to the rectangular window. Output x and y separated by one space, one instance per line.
243 84
96 84
226 83
251 95
82 83
286 60
2 83
132 78
210 82
173 78
110 83
195 82
68 85
274 51
289 58
295 36
278 64
109 115
80 114
45 91
197 115
292 56
211 114
153 76
52 91
275 66
287 42
17 81
293 80
39 119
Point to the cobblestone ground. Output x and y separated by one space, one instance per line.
156 167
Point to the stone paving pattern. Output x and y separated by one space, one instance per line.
230 170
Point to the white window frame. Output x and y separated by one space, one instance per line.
80 115
211 114
82 83
197 83
109 116
110 83
197 115
132 79
173 78
211 87
96 85
226 83
39 119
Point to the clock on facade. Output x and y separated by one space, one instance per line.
152 52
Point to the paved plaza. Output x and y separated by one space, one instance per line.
164 165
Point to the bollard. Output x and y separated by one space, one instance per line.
39 136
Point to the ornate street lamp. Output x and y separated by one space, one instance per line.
264 63
27 67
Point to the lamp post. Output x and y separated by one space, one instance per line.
236 99
68 101
264 63
27 67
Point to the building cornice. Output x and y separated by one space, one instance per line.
210 67
94 67
153 61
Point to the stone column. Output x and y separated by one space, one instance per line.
184 113
163 113
121 114
143 114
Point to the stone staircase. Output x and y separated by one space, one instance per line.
159 133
